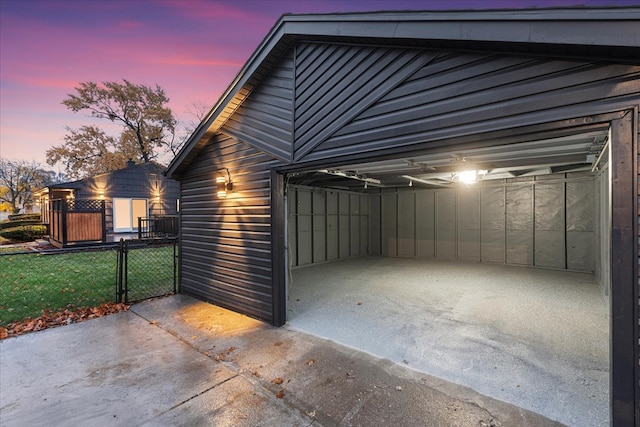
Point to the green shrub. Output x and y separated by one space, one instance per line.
25 217
24 233
18 223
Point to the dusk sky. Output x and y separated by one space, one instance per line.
192 49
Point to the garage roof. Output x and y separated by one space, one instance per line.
608 34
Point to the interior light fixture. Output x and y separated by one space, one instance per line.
223 184
410 183
467 177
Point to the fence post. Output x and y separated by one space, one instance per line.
119 268
65 210
175 261
125 270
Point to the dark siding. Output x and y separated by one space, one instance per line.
135 182
636 195
226 243
336 83
265 119
450 95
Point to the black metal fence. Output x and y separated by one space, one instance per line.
146 269
53 280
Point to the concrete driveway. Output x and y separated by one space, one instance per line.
179 361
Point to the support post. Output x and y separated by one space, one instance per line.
624 270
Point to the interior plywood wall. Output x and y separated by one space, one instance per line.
547 221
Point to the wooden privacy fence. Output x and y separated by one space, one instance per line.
77 221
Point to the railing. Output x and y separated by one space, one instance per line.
161 226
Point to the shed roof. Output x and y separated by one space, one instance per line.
607 34
78 184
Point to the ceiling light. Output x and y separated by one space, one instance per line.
467 177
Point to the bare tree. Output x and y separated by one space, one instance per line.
148 126
18 180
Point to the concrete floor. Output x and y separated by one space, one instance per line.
176 361
534 338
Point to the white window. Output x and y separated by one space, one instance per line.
126 213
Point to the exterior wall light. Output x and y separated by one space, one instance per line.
224 184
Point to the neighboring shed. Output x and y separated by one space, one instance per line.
351 134
106 206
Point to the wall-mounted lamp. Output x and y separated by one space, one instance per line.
101 193
224 184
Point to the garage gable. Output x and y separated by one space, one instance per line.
264 118
406 98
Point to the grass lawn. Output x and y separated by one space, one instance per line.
31 283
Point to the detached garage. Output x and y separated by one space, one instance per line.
456 191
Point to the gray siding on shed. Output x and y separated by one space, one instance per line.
226 243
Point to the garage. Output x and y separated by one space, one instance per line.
499 283
454 191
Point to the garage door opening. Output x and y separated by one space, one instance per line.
501 284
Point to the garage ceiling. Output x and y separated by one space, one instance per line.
578 152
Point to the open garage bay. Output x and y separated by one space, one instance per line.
533 337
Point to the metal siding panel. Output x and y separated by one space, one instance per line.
375 225
389 224
468 223
304 228
580 250
364 224
519 225
581 205
292 228
332 226
319 227
492 225
406 224
343 225
446 224
425 223
549 225
354 225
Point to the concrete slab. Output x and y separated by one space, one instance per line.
179 361
531 337
119 370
